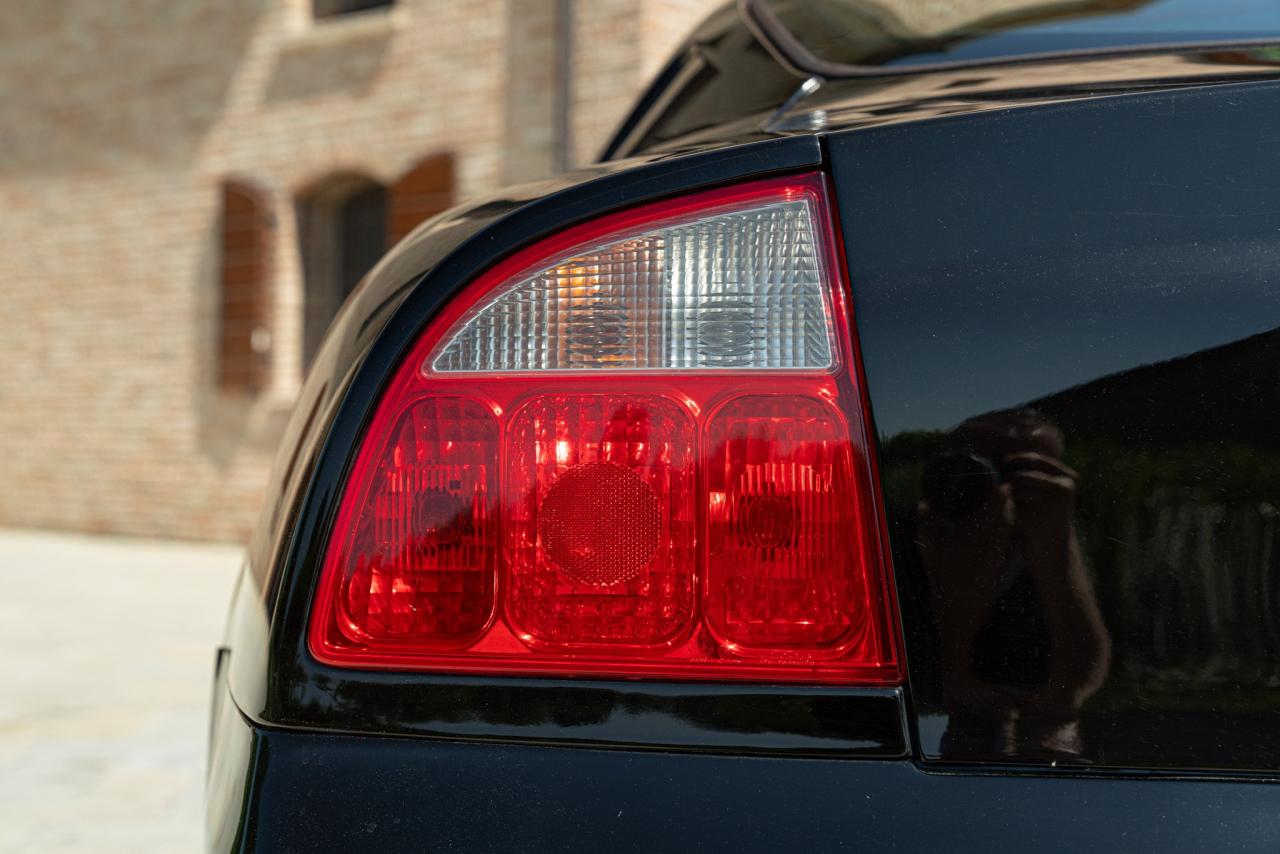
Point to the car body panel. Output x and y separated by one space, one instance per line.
1111 265
933 184
332 792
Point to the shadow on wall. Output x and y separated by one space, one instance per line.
349 64
73 127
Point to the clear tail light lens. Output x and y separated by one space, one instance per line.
742 289
635 449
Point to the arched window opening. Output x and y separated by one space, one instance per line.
342 227
246 237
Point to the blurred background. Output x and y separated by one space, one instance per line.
188 191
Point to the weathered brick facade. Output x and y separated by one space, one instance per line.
130 127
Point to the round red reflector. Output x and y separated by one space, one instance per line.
767 521
600 523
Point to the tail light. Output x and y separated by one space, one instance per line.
635 449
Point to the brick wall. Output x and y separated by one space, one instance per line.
125 120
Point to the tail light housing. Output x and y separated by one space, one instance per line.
635 449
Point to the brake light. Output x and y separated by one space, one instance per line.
635 449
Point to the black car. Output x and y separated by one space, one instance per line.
879 448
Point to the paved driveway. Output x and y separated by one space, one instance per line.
106 653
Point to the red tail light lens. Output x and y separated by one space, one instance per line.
636 449
600 521
423 550
784 564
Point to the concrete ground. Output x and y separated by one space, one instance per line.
106 656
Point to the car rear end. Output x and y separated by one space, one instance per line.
907 486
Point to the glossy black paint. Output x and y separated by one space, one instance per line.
323 792
231 768
1114 267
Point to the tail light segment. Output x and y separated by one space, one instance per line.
636 449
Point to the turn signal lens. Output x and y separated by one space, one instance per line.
636 449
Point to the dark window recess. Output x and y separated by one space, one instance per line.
333 8
362 224
342 228
726 79
1070 322
244 337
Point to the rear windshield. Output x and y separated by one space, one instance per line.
866 33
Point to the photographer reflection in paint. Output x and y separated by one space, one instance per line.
1023 643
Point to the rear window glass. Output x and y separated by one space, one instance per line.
865 33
